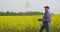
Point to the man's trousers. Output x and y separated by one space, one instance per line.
45 25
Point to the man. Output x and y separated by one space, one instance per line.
46 20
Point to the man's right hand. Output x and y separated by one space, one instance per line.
45 20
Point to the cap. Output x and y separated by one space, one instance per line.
46 7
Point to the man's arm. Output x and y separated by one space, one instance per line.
45 19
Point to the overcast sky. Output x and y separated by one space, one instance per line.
34 5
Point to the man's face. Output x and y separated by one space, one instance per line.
46 9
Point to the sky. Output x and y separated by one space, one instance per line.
33 5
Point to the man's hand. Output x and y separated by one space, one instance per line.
45 20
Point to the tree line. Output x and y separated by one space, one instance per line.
7 13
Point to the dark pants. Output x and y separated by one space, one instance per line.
46 26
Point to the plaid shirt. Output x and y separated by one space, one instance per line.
47 16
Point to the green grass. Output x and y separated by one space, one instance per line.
26 23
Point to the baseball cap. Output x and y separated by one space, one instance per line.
46 7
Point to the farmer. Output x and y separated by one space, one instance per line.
46 20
